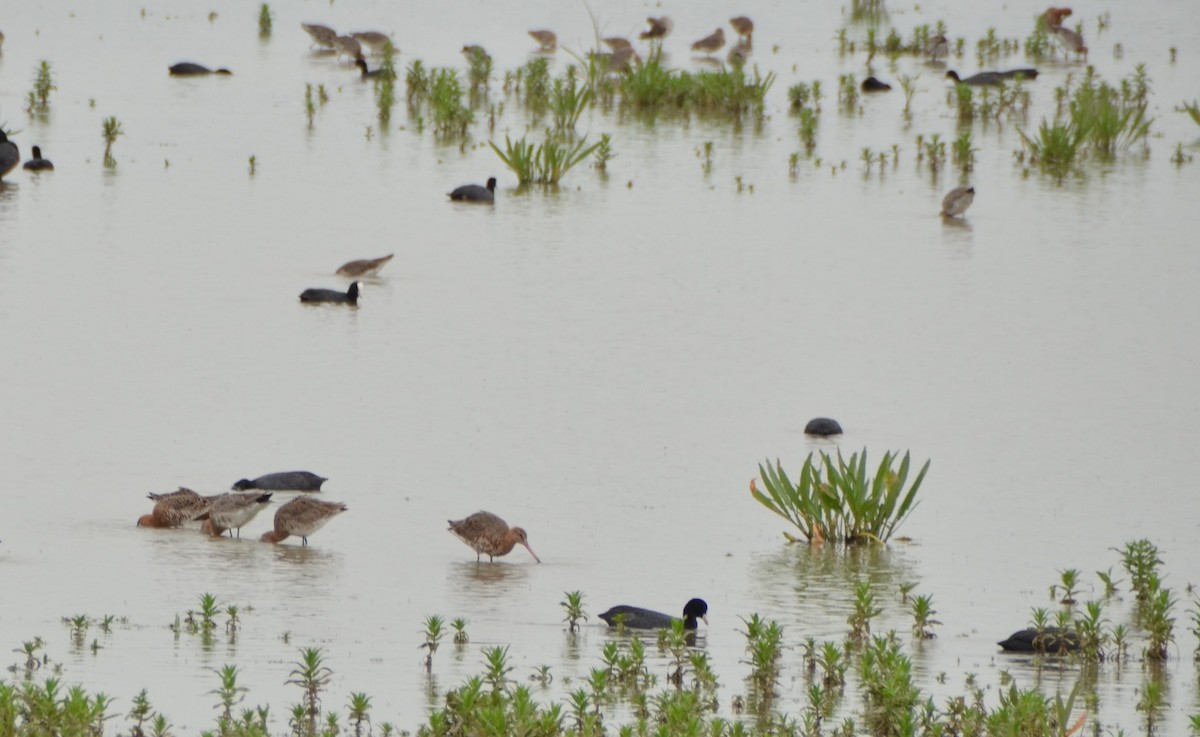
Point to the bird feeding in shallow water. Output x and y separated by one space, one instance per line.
547 41
282 481
364 267
711 43
871 84
232 512
487 534
659 28
648 619
322 36
957 201
175 509
1071 41
302 517
745 29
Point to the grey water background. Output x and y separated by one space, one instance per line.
605 364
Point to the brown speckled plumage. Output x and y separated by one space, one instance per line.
487 534
302 517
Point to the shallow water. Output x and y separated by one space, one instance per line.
604 365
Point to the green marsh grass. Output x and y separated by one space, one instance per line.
230 694
568 100
834 499
110 130
865 609
43 85
253 164
310 107
450 116
479 72
1192 109
808 129
264 21
604 152
545 163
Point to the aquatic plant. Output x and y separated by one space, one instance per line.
545 163
208 611
43 85
808 129
1140 560
459 625
923 621
764 646
312 676
111 128
1068 586
230 694
385 86
1156 617
1055 146
887 687
360 712
310 107
498 668
864 611
253 164
836 500
264 21
1192 109
433 636
909 86
450 116
604 152
568 100
573 605
848 92
416 83
1151 702
139 714
1091 629
479 73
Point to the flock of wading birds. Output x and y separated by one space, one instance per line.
485 533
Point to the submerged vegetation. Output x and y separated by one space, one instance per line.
835 500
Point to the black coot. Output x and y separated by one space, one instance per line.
646 619
348 297
475 193
283 481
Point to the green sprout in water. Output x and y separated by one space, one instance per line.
253 164
312 676
360 713
111 129
264 21
604 152
433 636
923 621
459 626
573 605
43 85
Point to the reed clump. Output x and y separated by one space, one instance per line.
834 499
544 163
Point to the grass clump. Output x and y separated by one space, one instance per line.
545 163
38 99
834 499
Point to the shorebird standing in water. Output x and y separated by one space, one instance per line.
487 534
302 517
